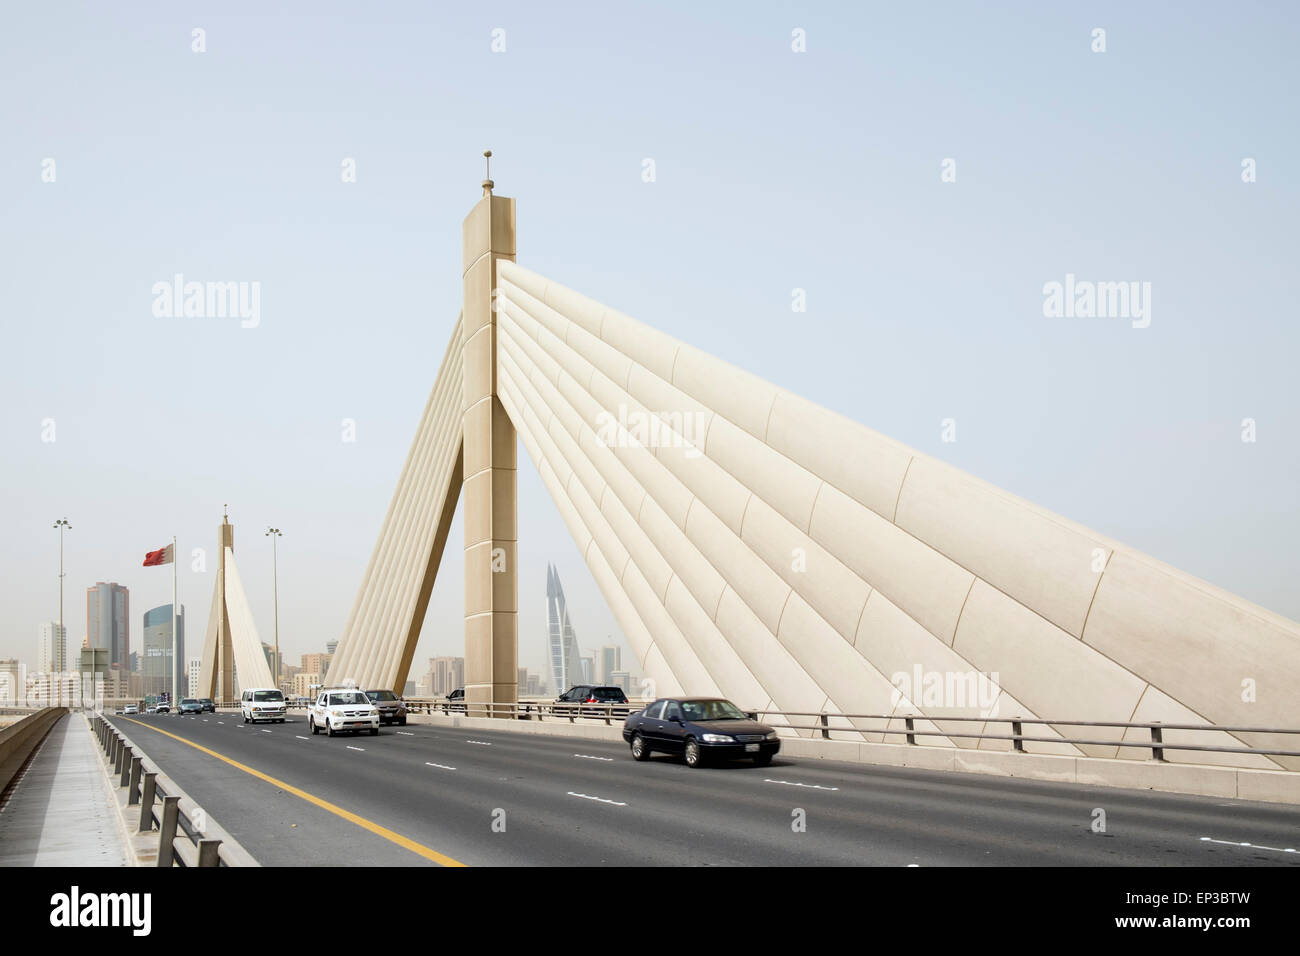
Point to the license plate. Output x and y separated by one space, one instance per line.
751 748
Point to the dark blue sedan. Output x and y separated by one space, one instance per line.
701 729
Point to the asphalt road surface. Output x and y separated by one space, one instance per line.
426 795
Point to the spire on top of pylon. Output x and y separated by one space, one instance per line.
487 180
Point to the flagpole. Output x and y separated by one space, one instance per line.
175 701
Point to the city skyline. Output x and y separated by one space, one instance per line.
536 663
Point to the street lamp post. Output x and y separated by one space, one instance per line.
62 525
274 533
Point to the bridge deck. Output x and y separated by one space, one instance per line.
60 812
294 799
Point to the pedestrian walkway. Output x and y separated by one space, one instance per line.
60 811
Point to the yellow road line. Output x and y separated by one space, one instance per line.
375 828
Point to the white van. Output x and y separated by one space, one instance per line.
262 703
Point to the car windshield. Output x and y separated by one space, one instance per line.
609 693
353 698
267 695
711 710
381 695
189 700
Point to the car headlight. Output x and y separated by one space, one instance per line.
718 739
771 735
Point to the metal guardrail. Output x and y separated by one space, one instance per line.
19 740
1156 744
187 837
823 727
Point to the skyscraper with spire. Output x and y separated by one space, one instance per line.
566 664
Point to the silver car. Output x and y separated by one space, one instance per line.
392 709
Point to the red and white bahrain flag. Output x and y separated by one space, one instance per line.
161 556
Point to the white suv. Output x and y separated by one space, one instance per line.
262 703
343 708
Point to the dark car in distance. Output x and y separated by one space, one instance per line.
701 729
208 707
597 695
456 700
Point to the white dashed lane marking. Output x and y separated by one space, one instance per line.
587 796
405 733
362 749
481 743
301 737
809 786
1253 846
590 757
266 731
440 766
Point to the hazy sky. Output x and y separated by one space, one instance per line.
775 170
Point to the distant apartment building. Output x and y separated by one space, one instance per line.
117 685
530 684
608 660
108 606
12 684
271 664
304 682
195 671
158 670
52 649
53 689
445 675
317 663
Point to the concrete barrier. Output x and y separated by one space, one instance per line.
19 741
